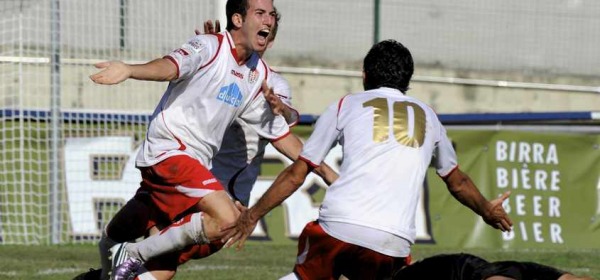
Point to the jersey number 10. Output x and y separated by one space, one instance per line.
407 123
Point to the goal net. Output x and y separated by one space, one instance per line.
66 144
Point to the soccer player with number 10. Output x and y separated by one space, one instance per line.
366 222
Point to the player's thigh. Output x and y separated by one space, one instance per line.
321 256
177 184
356 262
130 222
317 252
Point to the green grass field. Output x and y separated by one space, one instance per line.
256 261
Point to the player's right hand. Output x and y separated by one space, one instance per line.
240 231
113 72
240 207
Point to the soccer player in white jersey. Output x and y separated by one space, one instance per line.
366 222
213 80
237 164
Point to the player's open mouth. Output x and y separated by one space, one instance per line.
263 34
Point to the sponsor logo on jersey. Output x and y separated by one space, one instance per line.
193 45
237 74
253 76
231 95
209 181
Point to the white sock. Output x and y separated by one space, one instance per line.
104 246
291 276
187 231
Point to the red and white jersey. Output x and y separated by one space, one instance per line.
237 164
211 90
389 140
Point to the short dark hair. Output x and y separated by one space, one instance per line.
275 27
388 64
235 7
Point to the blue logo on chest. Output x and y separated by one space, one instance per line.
231 95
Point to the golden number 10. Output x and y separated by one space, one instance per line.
408 122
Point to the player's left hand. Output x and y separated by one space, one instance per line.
495 215
209 28
240 231
277 106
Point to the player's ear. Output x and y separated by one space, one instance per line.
237 20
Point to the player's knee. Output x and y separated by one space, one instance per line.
219 211
214 226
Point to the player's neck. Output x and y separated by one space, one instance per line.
241 50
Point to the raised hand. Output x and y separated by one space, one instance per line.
209 28
277 106
113 72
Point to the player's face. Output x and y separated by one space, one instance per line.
260 17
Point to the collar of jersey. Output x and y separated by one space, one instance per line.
233 49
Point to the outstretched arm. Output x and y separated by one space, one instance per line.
114 72
465 191
291 146
288 181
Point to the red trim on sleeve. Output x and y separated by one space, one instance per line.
451 171
281 137
297 116
220 39
172 59
340 105
312 164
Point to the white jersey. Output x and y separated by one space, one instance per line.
211 90
237 164
388 139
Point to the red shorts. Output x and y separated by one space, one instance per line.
176 184
321 256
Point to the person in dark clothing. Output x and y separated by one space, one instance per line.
470 267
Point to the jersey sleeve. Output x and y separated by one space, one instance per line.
261 119
323 138
444 156
282 89
192 55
